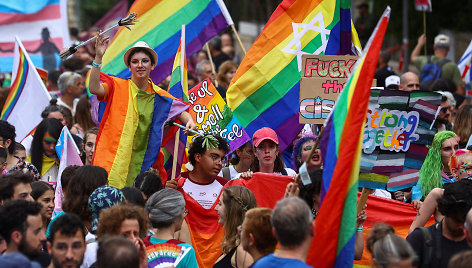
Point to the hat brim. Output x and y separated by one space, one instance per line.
128 52
265 138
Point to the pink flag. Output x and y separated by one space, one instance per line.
69 153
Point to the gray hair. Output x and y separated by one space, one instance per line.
201 66
291 219
391 249
66 79
164 207
216 42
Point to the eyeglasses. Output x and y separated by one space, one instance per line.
445 109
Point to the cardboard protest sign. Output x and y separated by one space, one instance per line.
399 126
213 116
323 78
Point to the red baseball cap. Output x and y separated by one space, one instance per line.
262 134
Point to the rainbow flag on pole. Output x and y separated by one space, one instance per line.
28 95
265 92
159 26
178 87
342 136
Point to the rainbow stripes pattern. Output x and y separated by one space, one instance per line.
341 155
131 129
159 26
178 87
17 86
267 82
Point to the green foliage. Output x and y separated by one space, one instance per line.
93 10
451 15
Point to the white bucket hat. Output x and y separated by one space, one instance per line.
140 44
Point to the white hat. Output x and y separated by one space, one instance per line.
441 40
140 44
393 80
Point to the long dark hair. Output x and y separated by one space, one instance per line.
51 126
278 163
85 180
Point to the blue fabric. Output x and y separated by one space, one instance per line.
270 261
48 230
416 190
103 197
16 259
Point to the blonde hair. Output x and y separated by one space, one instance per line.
237 200
224 68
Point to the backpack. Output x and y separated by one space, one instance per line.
431 72
431 242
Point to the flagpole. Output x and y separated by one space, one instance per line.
176 151
424 30
239 39
213 70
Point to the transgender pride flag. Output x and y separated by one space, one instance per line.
42 27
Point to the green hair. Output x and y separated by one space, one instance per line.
430 172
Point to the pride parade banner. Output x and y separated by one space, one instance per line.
213 116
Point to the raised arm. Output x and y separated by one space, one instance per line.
187 120
417 50
427 209
95 87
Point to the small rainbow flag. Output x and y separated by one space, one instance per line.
343 135
159 26
27 95
178 87
265 91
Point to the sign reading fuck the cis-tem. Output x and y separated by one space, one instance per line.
322 79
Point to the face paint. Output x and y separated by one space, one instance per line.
48 138
465 170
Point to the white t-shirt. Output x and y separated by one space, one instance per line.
204 194
232 172
90 255
72 109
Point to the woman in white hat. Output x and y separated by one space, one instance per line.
130 114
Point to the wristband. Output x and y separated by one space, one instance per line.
360 229
96 65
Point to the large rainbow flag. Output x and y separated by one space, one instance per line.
267 82
382 210
28 95
40 24
159 26
343 137
131 129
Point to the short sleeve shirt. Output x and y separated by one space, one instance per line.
449 70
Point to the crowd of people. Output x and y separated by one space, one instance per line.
197 220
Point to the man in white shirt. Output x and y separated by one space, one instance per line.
72 86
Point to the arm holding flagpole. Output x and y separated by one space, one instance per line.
417 50
95 87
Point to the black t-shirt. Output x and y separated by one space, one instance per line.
448 248
382 74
